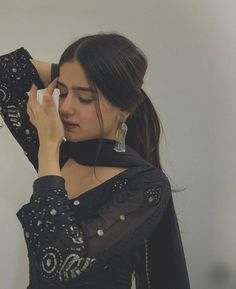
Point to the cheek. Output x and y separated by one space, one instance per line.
109 117
87 116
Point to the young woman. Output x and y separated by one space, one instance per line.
101 210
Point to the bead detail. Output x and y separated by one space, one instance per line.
53 212
39 223
76 202
122 217
100 232
153 196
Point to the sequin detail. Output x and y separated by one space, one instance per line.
76 202
153 196
73 265
17 75
51 262
51 221
118 185
100 232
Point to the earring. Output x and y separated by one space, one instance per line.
1 124
122 130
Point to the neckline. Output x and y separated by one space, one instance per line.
84 152
98 187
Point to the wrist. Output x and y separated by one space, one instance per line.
48 157
49 147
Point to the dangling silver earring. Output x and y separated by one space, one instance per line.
1 124
122 130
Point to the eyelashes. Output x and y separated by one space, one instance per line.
85 101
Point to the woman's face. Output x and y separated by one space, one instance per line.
77 105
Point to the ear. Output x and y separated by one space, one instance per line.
124 112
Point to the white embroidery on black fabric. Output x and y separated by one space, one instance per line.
147 265
53 212
16 70
3 95
75 235
100 232
38 200
153 196
76 202
39 222
73 266
51 262
119 184
14 115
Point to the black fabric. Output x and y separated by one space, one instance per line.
84 152
54 71
127 223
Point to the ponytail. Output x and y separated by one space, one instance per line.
144 128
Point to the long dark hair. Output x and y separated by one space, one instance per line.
116 66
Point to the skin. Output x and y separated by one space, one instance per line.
51 131
84 114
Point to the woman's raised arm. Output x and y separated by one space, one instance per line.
44 70
17 73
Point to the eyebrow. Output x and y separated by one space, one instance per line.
82 88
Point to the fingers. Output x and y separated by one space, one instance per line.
33 95
32 103
47 96
51 87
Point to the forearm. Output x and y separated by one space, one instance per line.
48 157
44 70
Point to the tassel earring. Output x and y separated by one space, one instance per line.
1 124
121 131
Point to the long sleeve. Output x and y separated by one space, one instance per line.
66 248
16 76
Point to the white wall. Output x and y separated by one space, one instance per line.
191 47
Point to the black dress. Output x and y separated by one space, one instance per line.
124 227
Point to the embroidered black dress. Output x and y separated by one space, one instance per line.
97 240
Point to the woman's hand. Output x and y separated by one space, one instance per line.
45 116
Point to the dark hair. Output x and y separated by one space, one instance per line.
116 66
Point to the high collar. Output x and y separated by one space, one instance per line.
84 153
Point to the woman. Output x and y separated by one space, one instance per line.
101 207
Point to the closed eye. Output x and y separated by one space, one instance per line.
86 101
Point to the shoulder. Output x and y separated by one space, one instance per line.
147 187
148 175
149 179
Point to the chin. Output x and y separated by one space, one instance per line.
70 137
75 138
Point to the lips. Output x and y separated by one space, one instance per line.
69 123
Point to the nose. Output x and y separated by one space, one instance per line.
66 105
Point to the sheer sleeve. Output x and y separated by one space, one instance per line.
66 248
16 76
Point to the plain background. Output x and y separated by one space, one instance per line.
191 48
